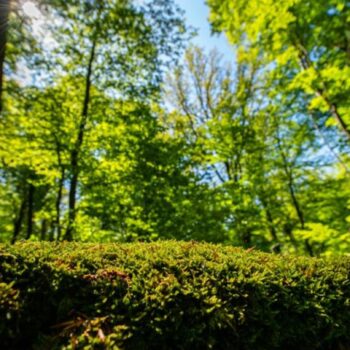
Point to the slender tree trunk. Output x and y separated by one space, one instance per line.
271 225
52 230
19 220
300 215
288 231
247 238
4 17
228 169
75 154
295 201
43 232
296 204
57 224
72 195
30 210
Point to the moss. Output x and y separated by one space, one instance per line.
170 295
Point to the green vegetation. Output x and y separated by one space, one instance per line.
170 295
116 132
107 135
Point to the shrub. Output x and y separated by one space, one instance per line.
169 295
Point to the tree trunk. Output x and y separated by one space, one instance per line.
18 221
75 154
247 238
30 210
300 215
43 229
276 247
57 224
288 231
295 201
296 204
52 231
271 224
4 17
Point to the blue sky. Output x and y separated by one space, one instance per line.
197 14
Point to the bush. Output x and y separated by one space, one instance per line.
169 296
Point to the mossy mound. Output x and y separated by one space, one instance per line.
170 295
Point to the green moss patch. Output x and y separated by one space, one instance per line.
170 295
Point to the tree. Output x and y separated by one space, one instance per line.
255 145
120 38
4 18
219 111
119 47
307 41
95 145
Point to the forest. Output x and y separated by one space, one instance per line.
160 194
115 127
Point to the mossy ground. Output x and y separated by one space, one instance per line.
170 295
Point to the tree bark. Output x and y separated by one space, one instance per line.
43 229
57 224
52 231
18 220
75 154
58 205
30 210
4 17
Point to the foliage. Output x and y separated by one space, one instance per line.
98 144
303 50
90 125
261 152
178 295
307 41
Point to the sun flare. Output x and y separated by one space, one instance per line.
31 10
